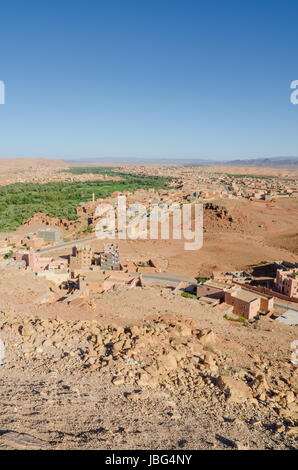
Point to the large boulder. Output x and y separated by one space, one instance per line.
167 362
208 338
236 391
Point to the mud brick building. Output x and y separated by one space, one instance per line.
248 304
81 257
286 282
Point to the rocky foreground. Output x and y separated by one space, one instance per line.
166 384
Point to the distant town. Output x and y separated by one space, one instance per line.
81 271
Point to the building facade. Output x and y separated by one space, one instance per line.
248 304
286 282
110 260
81 257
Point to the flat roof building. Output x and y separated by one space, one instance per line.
286 282
50 235
248 304
212 292
81 257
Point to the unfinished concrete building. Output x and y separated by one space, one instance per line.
110 260
50 235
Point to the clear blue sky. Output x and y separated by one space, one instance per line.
148 78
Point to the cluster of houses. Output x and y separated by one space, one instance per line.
34 240
95 273
199 183
231 293
46 174
259 188
243 302
85 271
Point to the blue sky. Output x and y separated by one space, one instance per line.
148 78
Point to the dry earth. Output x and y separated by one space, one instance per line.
162 372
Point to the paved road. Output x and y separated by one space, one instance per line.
67 244
168 277
287 305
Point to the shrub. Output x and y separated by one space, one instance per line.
188 295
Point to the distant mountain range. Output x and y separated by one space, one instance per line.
274 162
288 163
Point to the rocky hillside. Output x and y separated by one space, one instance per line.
164 384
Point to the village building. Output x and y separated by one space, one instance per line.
81 257
50 235
286 282
218 276
109 259
248 304
36 262
210 291
94 282
33 260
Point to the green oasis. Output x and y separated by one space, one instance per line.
20 201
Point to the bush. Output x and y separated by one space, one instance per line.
188 295
89 229
239 319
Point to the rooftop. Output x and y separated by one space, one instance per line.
203 290
244 295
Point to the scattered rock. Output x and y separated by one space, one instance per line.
235 390
118 380
208 338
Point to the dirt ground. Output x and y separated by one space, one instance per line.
56 401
